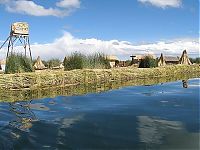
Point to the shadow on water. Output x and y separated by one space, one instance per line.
185 83
27 94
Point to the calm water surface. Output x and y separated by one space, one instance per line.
163 116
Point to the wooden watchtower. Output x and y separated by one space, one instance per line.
19 34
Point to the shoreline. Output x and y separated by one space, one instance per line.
48 79
81 89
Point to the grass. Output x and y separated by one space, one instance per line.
80 61
148 62
18 63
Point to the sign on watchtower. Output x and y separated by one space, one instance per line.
20 28
19 36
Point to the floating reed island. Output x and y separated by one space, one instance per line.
48 79
52 92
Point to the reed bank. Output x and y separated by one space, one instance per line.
45 79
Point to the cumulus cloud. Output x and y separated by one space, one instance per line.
163 3
62 7
68 44
68 4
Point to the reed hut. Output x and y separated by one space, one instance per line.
61 66
136 59
113 60
171 60
39 64
168 60
2 65
185 59
161 61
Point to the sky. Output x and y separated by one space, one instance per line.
114 27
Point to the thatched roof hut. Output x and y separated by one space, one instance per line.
112 60
2 64
167 60
161 61
185 59
39 64
61 66
136 59
171 59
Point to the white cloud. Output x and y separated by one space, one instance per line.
68 3
33 9
4 1
67 44
64 7
163 3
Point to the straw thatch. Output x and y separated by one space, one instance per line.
39 64
185 59
171 59
2 64
138 57
91 76
111 58
58 67
61 66
161 61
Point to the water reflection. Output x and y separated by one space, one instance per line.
11 96
158 133
24 115
152 130
185 83
128 118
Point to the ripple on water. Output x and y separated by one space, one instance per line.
139 117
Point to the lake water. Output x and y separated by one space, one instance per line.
161 116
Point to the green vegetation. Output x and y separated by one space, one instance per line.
195 60
80 61
97 61
75 61
17 63
52 63
128 62
148 62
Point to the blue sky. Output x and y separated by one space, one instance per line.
146 25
